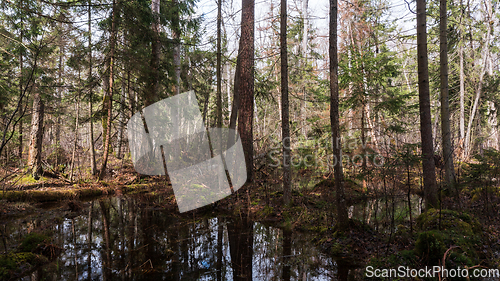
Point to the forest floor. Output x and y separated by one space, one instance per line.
417 243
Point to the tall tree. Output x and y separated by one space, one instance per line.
445 103
219 64
176 35
342 217
93 166
303 47
285 123
246 83
429 169
155 54
108 105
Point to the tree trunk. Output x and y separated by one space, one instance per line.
285 123
76 139
36 137
445 103
176 34
462 81
484 68
429 173
305 31
21 66
93 165
342 218
476 101
155 55
109 98
219 64
246 89
20 148
121 122
236 97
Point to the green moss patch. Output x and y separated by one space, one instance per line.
449 221
34 251
54 194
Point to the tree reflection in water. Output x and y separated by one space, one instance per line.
123 239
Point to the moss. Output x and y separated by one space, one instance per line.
430 246
27 179
457 229
32 241
11 264
54 194
449 220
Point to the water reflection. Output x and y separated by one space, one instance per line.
122 239
387 212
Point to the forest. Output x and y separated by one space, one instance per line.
368 129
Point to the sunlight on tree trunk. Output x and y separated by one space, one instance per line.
445 103
36 137
429 171
246 83
109 97
342 218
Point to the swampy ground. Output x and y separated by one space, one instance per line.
129 227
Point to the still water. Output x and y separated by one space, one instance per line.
124 239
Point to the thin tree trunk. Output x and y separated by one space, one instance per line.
445 103
36 137
429 173
21 67
121 122
342 217
285 123
109 99
305 31
93 165
246 89
76 140
486 53
20 152
236 97
219 64
462 91
176 34
155 54
476 104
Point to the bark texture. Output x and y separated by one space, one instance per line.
36 137
285 122
246 81
429 169
342 217
445 103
